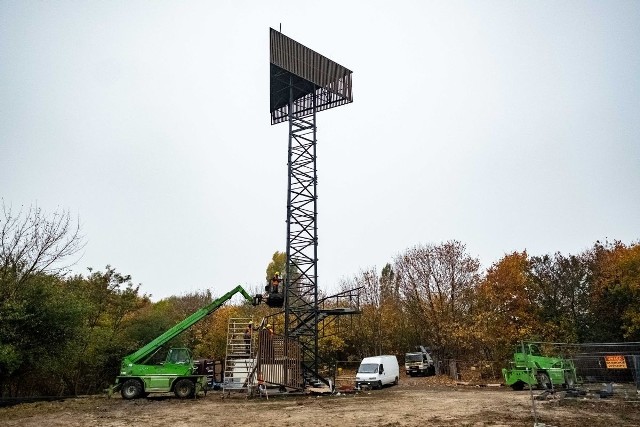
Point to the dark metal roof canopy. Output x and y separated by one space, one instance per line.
295 66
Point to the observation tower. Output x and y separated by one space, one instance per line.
303 83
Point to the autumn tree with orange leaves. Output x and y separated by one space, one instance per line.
505 311
615 294
437 282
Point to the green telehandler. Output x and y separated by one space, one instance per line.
178 373
530 367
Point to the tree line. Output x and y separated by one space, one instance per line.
439 296
64 334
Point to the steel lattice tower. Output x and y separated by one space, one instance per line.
303 83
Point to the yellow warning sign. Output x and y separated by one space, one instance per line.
615 362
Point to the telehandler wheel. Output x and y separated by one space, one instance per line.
517 386
131 389
569 381
544 381
184 388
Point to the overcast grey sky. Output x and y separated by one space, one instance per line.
507 125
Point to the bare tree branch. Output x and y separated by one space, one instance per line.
33 243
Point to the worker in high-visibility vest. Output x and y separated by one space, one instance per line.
275 282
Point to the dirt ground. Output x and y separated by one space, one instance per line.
433 401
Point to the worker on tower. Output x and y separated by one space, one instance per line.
272 295
275 282
248 332
265 344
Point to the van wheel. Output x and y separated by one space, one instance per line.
395 382
379 385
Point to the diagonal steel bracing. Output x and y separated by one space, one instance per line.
301 286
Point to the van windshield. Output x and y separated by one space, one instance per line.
413 357
368 368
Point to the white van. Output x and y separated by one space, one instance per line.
377 371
